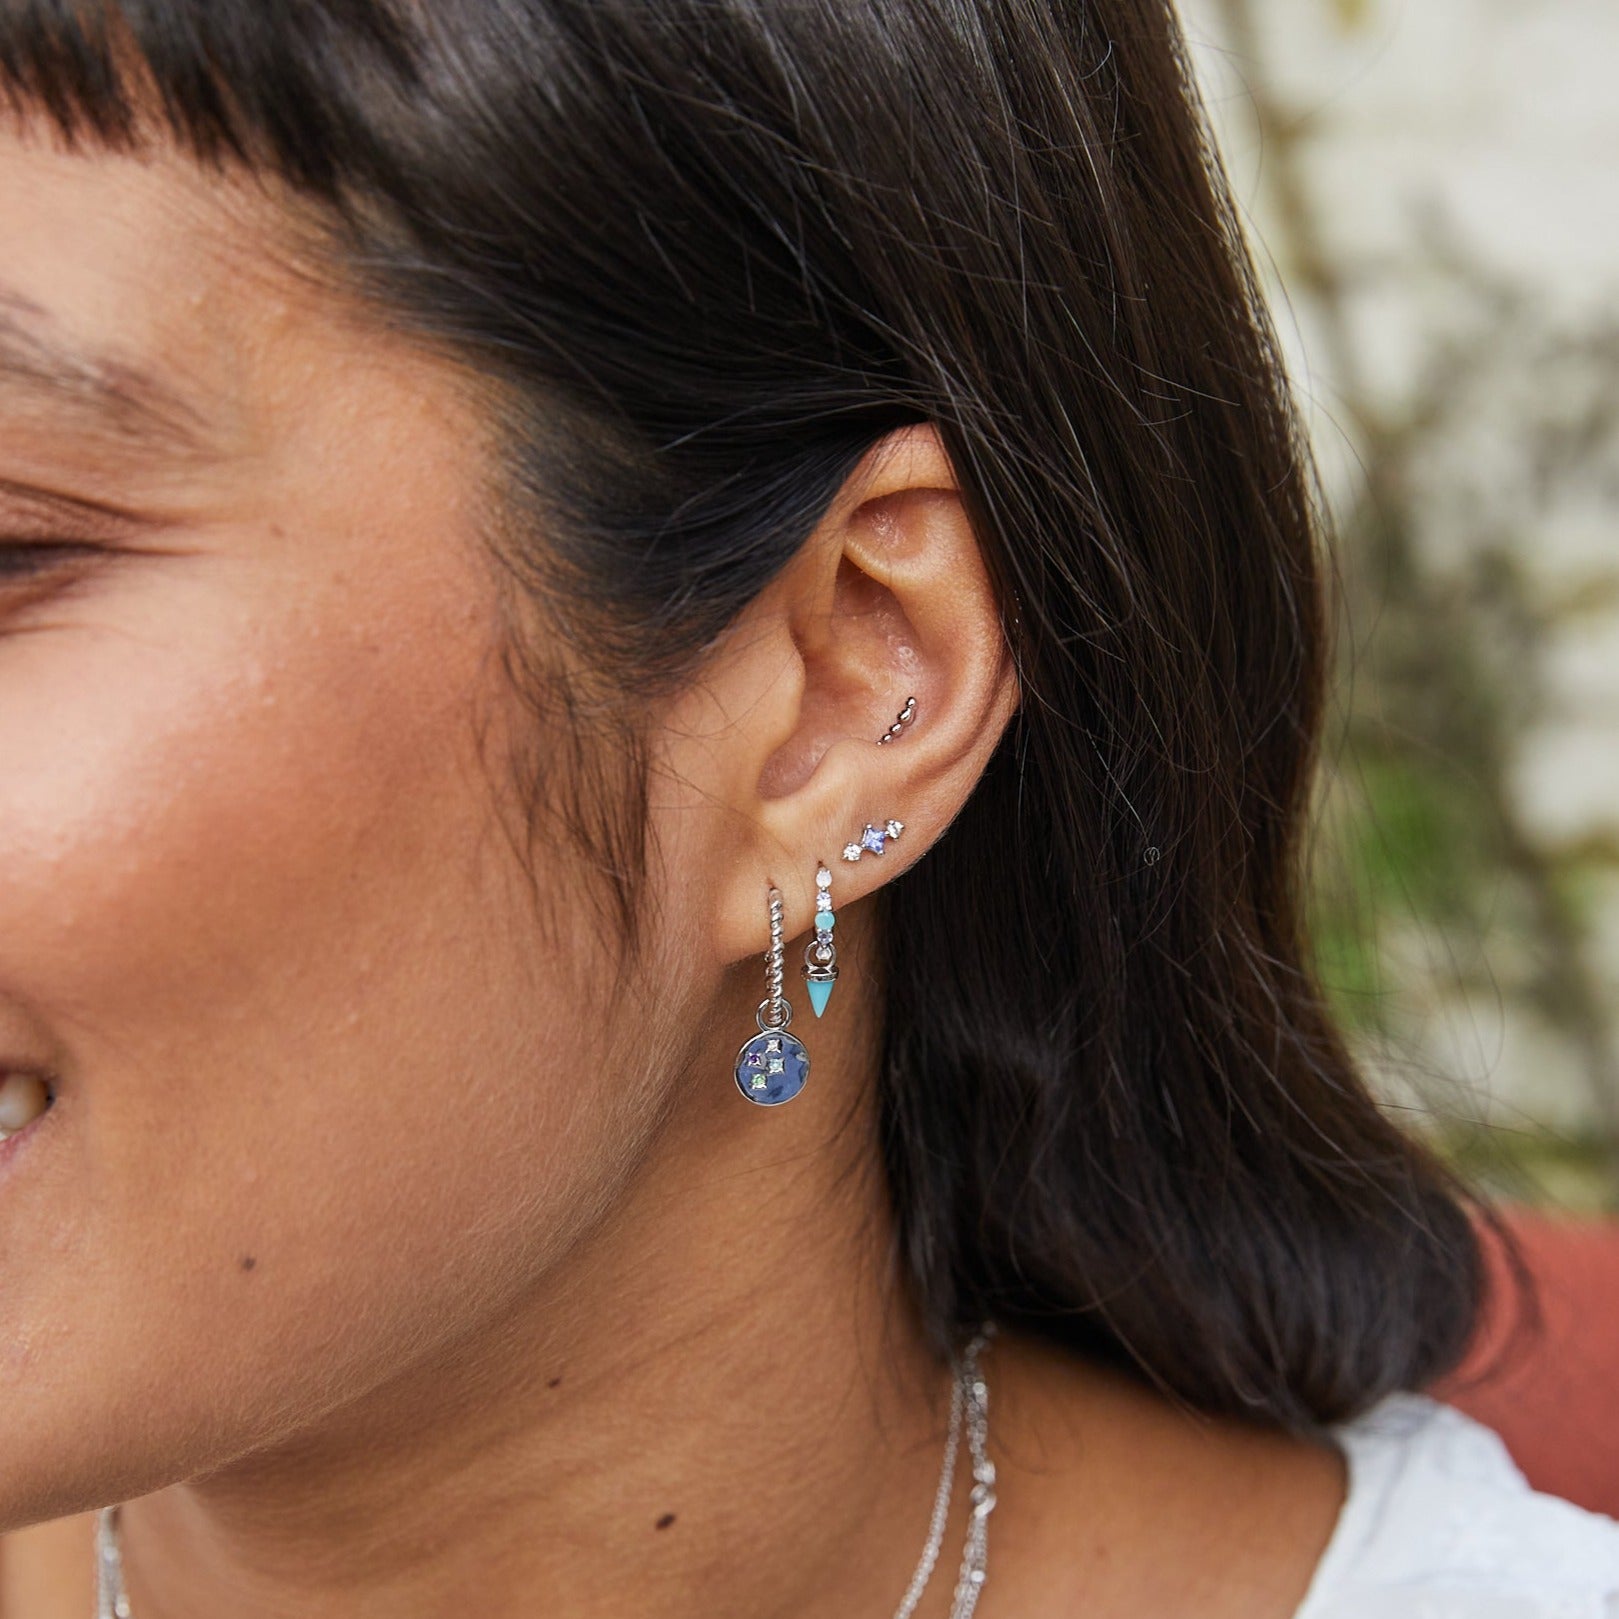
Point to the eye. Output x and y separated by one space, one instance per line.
34 570
24 559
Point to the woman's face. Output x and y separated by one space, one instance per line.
259 911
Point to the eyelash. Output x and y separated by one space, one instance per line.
24 559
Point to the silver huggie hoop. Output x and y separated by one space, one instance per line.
821 954
772 1065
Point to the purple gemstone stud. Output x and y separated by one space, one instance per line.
873 838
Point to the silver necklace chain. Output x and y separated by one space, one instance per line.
969 1408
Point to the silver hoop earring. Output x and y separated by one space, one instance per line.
772 1065
821 954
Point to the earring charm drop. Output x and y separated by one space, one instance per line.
821 954
772 1065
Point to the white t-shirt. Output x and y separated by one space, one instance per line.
1439 1523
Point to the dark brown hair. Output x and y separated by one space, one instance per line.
710 251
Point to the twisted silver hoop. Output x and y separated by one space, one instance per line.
774 1011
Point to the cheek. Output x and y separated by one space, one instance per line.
252 885
206 778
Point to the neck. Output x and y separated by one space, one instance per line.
720 1403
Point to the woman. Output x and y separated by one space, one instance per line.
660 664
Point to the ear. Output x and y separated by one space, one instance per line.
887 600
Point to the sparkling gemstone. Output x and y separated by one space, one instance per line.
851 851
894 828
873 838
823 878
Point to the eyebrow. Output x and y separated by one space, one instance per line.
114 395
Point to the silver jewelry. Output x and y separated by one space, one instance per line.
111 1602
872 838
772 1065
906 715
969 1407
821 954
969 1404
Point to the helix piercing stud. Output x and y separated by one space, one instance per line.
906 715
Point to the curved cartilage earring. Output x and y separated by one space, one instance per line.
772 1065
906 715
821 954
873 838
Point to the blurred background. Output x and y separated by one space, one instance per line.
1432 192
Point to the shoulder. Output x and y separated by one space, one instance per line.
1439 1523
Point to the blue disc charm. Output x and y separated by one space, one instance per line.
772 1067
